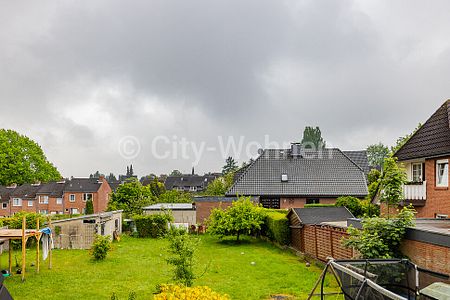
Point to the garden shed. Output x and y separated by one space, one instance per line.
79 232
318 231
183 213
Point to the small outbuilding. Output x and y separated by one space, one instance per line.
318 231
79 232
183 213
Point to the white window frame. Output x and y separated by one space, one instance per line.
19 202
420 177
43 199
43 211
444 181
85 194
59 201
70 198
4 205
30 203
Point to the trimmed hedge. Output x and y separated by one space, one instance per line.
276 227
319 205
152 225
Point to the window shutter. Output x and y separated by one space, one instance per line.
423 172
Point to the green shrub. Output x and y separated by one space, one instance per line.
89 207
152 225
353 204
318 205
101 247
182 248
276 227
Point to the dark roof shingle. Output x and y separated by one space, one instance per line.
26 191
53 189
323 173
85 185
317 215
359 157
430 140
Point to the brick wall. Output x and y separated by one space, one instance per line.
286 203
427 255
102 195
52 205
203 209
438 198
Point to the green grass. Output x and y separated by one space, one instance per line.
139 265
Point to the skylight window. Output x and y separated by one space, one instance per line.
284 177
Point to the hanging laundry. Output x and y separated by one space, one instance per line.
47 241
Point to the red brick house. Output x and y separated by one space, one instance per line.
425 157
291 178
79 190
64 197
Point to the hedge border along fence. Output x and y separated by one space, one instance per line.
276 226
152 225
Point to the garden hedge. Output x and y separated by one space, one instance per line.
276 227
152 225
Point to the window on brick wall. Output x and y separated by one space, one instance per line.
312 201
442 173
72 198
43 199
59 200
30 202
5 205
87 196
17 202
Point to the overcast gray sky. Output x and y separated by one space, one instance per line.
95 82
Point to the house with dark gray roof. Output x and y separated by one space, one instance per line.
189 182
5 194
291 178
359 157
425 157
50 198
24 198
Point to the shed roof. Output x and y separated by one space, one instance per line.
170 206
318 215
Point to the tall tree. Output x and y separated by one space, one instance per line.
312 138
175 173
376 154
392 181
23 161
111 177
128 171
131 170
230 166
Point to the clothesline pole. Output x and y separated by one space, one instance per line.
50 253
24 244
37 244
10 256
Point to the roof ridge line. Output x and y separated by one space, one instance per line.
350 159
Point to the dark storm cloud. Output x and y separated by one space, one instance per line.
79 76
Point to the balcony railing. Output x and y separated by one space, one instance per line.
415 193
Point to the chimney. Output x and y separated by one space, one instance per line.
296 150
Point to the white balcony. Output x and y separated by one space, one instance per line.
415 193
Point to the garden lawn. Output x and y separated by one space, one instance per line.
139 265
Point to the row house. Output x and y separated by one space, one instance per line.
425 157
63 197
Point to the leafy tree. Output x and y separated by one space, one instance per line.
242 217
220 185
182 248
376 154
157 188
403 139
391 184
373 176
23 161
131 197
380 237
353 204
89 207
230 166
312 138
176 173
174 196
